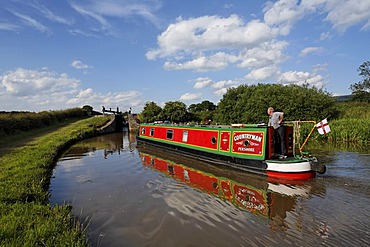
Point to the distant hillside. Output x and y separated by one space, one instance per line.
342 98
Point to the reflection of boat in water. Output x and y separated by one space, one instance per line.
248 147
245 191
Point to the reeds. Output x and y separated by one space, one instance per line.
350 130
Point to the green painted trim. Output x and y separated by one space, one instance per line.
287 161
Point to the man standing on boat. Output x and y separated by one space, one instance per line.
275 121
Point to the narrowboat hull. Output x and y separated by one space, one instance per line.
249 149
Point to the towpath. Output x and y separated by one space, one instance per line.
10 142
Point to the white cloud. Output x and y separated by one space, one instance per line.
77 64
127 9
105 25
23 82
320 67
304 52
225 84
347 13
209 33
29 21
325 36
77 32
220 92
9 27
262 74
191 96
282 14
301 78
103 11
265 54
342 14
202 82
222 86
213 43
124 100
196 43
36 90
202 63
50 15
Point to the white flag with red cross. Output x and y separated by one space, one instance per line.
323 127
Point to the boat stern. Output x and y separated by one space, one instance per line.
290 169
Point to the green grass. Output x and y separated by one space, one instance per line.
25 172
352 125
353 110
350 130
35 224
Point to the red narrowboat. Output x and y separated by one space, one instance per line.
249 147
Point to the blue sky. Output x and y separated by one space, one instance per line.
68 53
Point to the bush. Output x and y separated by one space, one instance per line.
12 122
248 104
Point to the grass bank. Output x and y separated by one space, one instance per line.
352 125
26 217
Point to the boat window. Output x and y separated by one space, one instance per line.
151 133
143 131
185 136
169 134
213 140
171 170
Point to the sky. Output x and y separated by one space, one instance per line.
122 53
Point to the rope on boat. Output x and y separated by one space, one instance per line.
296 136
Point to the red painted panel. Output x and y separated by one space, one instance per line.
270 142
197 137
225 141
143 131
289 140
292 176
254 141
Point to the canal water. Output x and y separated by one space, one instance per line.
146 197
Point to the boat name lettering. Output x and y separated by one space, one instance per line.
248 136
245 149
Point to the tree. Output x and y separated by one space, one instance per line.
87 108
151 112
202 111
175 111
361 89
248 104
